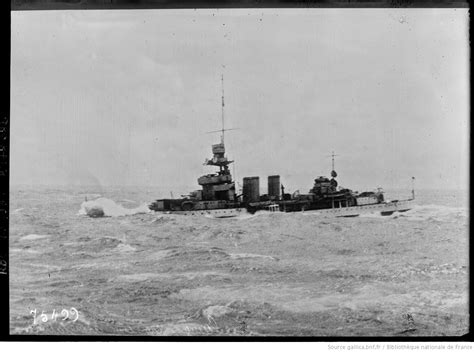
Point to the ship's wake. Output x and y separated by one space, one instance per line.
107 207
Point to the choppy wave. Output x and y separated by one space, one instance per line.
243 216
435 212
426 212
107 207
262 214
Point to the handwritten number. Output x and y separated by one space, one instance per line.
76 313
33 312
64 313
44 317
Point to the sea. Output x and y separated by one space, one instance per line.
139 273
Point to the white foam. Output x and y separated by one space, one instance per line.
263 214
128 201
373 215
425 212
250 256
110 208
123 248
33 236
436 212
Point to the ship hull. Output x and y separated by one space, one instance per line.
215 213
384 209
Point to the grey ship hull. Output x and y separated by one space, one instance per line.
215 213
384 209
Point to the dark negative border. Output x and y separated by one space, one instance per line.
191 4
4 166
39 5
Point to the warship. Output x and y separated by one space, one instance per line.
218 196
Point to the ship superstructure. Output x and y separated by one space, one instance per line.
218 196
218 189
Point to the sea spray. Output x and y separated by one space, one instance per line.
107 207
426 212
436 212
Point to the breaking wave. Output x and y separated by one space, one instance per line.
243 216
435 212
426 212
107 207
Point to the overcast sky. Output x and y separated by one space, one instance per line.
126 97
